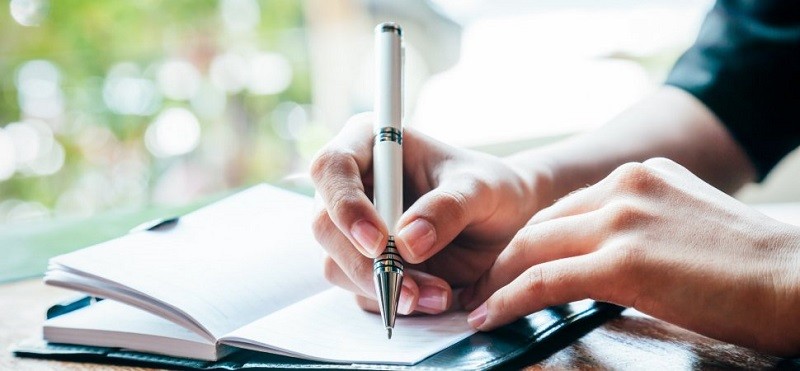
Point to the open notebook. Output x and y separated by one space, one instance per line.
244 272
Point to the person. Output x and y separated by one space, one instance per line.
655 229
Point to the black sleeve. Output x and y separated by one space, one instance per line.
745 67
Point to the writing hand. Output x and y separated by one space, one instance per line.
462 209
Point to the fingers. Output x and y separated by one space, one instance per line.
436 218
536 244
337 173
357 267
421 292
630 180
541 286
435 295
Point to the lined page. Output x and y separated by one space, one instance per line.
331 327
225 265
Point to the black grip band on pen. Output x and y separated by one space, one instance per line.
389 260
391 27
389 134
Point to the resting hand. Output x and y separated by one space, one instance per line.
654 237
462 209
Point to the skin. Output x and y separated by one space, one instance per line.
654 237
463 208
490 226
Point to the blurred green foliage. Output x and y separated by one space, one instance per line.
84 39
107 163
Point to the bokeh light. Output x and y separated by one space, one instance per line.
127 92
174 132
228 72
8 158
289 119
270 73
28 12
178 79
108 105
209 102
39 90
240 16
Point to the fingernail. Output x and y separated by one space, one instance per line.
368 236
419 236
478 316
432 298
404 305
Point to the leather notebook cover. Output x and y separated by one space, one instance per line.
527 340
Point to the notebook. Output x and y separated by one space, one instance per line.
241 278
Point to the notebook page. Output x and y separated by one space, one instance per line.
112 324
224 265
331 327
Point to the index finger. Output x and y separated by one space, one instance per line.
338 172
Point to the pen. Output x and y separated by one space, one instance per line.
387 155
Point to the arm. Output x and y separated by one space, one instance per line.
734 115
670 123
652 235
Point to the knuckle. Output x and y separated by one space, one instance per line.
345 202
660 162
637 178
319 164
321 225
525 237
501 303
455 202
330 270
626 255
327 160
625 215
535 281
360 267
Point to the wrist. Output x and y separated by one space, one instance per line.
786 278
535 178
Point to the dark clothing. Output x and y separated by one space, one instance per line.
745 67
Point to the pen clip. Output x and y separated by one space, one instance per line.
71 305
160 224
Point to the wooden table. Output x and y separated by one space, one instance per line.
631 341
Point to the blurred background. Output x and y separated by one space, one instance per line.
113 112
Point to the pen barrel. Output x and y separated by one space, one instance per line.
387 156
388 147
388 103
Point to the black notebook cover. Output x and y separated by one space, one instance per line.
525 341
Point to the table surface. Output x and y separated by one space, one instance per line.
631 341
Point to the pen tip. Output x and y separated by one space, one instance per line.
389 332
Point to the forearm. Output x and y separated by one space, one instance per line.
670 123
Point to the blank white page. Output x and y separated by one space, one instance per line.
224 265
331 327
112 324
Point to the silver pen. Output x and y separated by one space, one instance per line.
388 163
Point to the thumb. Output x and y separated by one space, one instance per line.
436 218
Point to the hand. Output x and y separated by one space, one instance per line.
654 237
462 209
